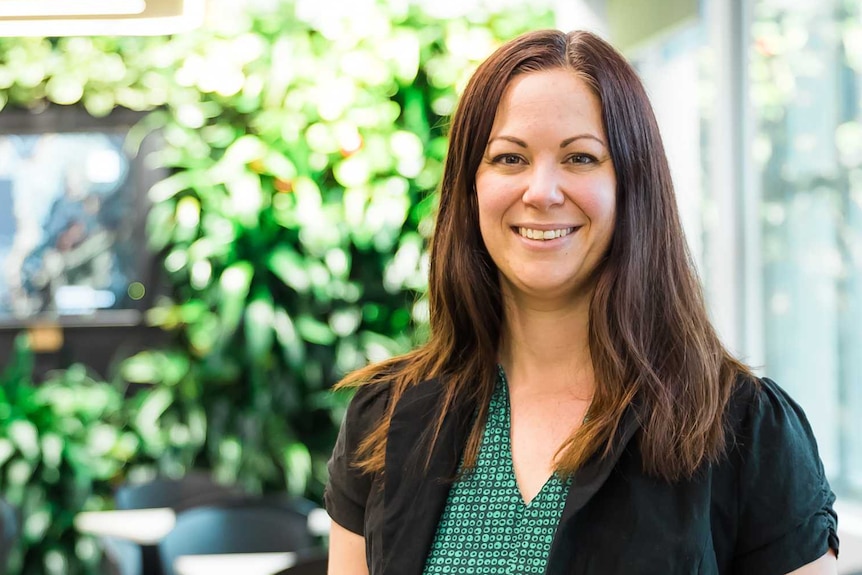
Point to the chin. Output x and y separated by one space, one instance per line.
543 290
541 285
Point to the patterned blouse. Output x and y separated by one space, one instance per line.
486 528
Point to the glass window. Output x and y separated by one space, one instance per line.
806 73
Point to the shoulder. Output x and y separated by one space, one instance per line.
770 437
761 413
372 395
372 403
373 388
366 409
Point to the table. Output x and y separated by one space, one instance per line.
142 526
122 529
233 563
319 522
149 526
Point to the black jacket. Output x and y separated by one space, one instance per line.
765 509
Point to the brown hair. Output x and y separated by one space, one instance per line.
650 337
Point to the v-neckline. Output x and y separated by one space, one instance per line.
506 421
414 497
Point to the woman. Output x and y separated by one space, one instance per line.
573 410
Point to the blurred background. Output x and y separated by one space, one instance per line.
211 210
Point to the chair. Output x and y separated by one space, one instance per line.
122 557
246 527
194 489
189 491
8 532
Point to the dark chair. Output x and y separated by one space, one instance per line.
309 563
192 490
8 532
248 527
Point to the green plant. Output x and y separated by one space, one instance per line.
304 142
294 227
61 443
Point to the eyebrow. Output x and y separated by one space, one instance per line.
563 144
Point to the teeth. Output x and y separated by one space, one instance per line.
544 235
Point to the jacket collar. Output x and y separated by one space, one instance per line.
585 483
414 499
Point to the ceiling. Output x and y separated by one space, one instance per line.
99 17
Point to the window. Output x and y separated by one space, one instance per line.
806 75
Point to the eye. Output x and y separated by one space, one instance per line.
508 159
581 159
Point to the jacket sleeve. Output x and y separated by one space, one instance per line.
785 516
347 489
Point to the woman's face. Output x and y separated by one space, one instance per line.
546 187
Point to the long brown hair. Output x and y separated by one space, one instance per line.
650 337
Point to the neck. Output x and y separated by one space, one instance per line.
545 348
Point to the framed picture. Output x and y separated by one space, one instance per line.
72 215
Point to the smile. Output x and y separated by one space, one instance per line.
544 235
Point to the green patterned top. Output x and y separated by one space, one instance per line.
486 528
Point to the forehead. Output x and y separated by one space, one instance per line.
550 97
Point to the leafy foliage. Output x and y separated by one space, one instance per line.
61 442
303 142
294 226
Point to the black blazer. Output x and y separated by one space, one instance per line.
765 508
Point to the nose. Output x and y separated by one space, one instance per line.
543 188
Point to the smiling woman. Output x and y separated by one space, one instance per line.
546 187
573 411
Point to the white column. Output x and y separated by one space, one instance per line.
733 254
